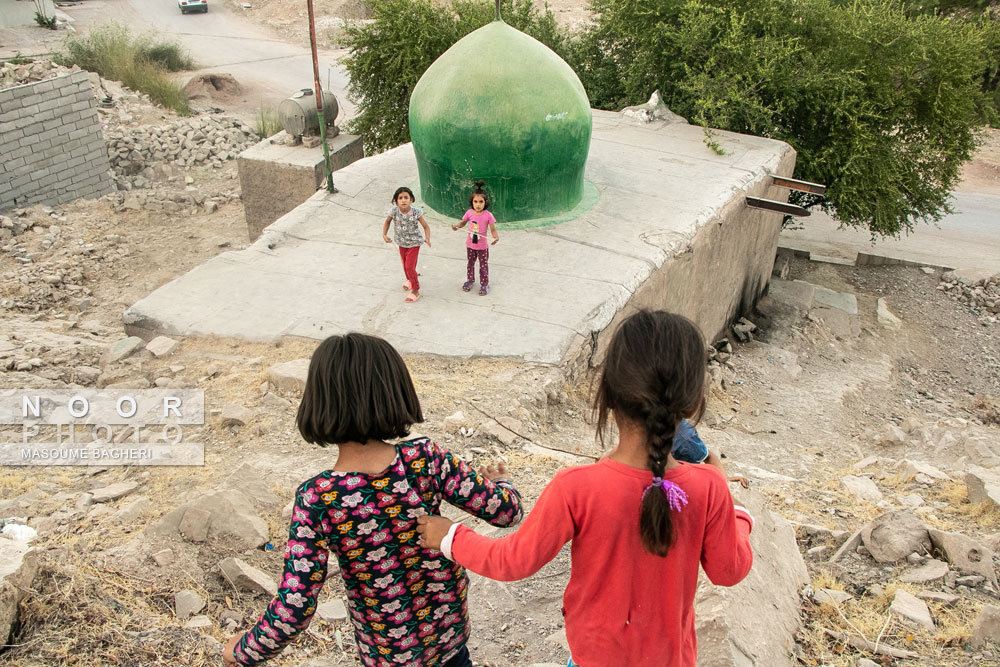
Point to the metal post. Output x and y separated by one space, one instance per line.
496 4
319 98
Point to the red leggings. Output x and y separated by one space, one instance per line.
409 257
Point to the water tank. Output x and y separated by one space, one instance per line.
298 114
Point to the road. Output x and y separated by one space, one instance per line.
268 69
968 238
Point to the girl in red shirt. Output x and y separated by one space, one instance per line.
640 521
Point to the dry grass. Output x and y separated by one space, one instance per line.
869 617
116 612
16 482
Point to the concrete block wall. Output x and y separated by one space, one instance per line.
51 147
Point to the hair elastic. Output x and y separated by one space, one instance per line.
675 494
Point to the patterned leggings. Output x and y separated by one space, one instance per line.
484 265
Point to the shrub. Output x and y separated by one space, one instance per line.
137 62
881 106
265 122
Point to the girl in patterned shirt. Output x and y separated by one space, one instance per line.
406 603
405 218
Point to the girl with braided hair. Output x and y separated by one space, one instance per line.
640 521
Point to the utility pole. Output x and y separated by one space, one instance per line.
319 98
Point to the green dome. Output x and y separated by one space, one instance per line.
501 107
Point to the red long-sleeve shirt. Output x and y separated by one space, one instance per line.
623 606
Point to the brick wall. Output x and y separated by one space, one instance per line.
51 148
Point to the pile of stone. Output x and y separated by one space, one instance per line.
978 289
17 75
137 153
164 200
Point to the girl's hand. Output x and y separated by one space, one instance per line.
432 530
454 228
495 473
744 482
495 239
229 652
428 242
386 238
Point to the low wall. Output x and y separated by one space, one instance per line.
51 148
724 273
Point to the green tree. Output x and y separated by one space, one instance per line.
388 55
881 105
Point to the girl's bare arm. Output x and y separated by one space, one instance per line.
427 230
385 229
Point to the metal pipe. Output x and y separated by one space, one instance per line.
319 98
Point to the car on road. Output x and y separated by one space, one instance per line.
192 6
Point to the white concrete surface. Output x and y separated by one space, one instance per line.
324 269
969 238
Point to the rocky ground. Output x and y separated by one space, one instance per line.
862 402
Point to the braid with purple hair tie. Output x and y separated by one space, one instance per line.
675 494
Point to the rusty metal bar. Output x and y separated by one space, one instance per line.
319 98
801 186
777 206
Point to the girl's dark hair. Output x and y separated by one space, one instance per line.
400 190
478 190
358 389
654 375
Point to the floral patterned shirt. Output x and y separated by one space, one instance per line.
406 226
407 603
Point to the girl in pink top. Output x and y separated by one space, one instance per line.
640 522
476 248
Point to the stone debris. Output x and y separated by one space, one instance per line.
827 298
18 569
289 376
912 469
12 74
983 485
454 421
931 570
121 349
235 415
194 524
187 603
965 554
886 317
134 511
743 330
862 487
161 346
977 289
163 557
332 611
113 491
198 622
245 577
911 609
216 514
141 155
893 536
945 599
831 596
987 627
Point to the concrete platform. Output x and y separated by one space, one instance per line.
665 226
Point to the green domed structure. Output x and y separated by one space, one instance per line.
501 107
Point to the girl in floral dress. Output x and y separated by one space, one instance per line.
407 603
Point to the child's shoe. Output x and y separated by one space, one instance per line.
483 291
466 286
